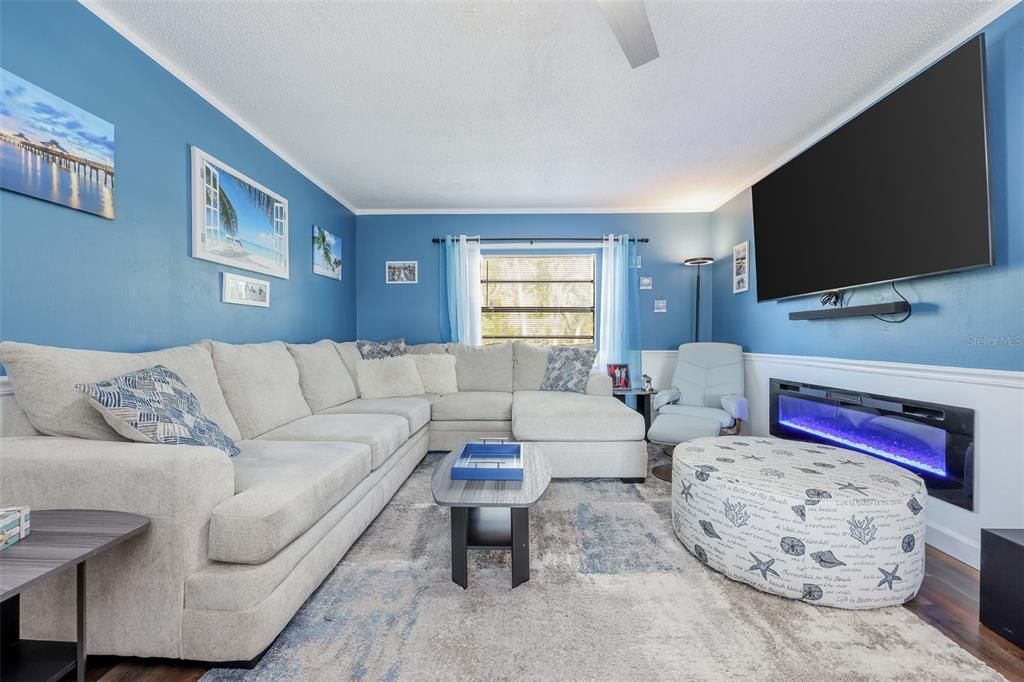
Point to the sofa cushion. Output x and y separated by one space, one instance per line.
384 433
530 360
437 372
473 405
388 378
281 490
375 350
44 378
568 369
416 410
549 416
710 413
350 357
153 405
483 368
323 377
261 385
427 349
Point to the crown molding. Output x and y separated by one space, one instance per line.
997 10
506 211
139 42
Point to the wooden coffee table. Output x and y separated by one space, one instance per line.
59 540
490 514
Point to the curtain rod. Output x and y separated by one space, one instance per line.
597 240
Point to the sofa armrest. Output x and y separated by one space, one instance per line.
176 486
666 397
599 383
736 406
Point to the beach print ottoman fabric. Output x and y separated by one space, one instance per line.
155 406
378 350
568 369
825 525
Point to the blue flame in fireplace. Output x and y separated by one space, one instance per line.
903 441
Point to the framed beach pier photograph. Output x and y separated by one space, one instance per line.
53 150
237 221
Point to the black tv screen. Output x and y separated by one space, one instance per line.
899 191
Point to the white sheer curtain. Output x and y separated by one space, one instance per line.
462 260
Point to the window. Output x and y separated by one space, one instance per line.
541 299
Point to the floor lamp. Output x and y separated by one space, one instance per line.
702 260
664 471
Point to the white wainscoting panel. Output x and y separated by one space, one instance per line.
997 397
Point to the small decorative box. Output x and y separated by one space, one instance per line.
14 525
489 462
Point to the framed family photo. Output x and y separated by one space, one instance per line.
235 220
619 374
741 267
402 272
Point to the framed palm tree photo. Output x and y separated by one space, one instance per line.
235 220
326 253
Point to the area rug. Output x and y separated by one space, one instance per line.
612 595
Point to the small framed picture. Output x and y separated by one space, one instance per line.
660 305
326 254
245 290
740 267
619 375
402 272
646 282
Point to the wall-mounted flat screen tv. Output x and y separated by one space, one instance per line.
899 191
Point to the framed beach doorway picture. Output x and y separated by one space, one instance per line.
237 221
52 150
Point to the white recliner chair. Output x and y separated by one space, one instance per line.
706 398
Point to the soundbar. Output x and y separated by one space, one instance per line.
893 308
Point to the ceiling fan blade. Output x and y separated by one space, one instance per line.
632 29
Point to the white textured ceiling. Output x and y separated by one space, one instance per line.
532 105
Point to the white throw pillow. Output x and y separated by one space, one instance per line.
437 373
388 378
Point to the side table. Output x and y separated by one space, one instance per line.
59 540
643 403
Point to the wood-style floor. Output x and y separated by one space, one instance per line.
948 600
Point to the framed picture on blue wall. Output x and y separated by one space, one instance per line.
326 253
52 150
237 221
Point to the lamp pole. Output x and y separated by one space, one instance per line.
699 261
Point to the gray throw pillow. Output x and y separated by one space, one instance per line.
376 350
155 406
568 369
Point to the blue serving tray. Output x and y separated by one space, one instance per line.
489 462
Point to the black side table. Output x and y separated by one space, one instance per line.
643 402
59 539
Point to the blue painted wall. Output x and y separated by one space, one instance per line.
74 279
413 311
969 319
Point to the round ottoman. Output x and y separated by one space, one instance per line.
825 525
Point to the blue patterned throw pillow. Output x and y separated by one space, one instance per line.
155 406
568 369
378 350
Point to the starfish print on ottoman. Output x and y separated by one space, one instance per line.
856 488
889 576
850 461
765 566
684 491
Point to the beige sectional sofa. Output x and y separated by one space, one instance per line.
237 544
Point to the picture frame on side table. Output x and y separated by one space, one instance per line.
741 267
402 272
242 290
236 221
619 374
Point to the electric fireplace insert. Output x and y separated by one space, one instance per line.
936 442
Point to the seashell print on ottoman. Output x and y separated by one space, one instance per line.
825 525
